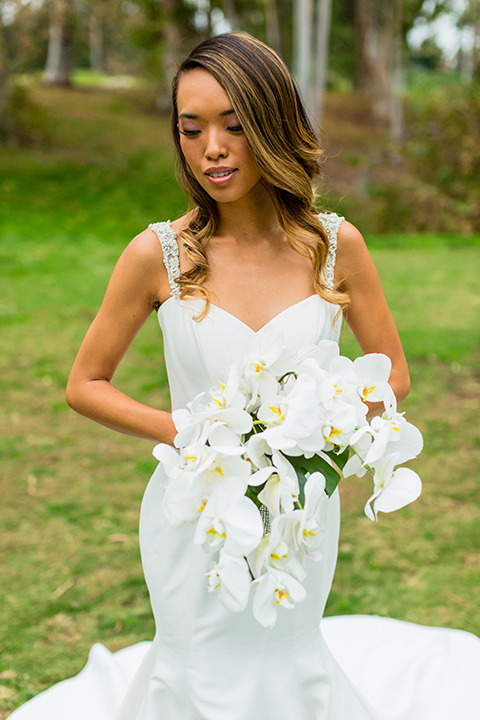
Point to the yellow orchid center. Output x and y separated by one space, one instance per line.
258 367
334 433
277 411
367 391
212 531
202 506
281 596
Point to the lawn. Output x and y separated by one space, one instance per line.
71 490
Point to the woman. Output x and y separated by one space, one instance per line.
252 256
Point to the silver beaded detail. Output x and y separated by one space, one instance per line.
168 240
266 519
331 222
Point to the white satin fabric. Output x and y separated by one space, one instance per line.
207 663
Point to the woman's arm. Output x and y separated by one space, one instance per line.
138 281
368 314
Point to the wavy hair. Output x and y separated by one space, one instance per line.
282 142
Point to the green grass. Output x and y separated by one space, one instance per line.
71 490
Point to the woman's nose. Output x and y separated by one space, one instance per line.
215 147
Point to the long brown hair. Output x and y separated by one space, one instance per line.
282 142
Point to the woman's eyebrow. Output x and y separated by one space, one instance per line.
192 116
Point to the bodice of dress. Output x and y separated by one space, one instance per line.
198 354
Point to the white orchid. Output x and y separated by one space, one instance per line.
249 451
386 434
338 422
223 407
168 456
201 468
373 371
230 520
311 523
266 360
393 489
273 589
277 551
230 575
281 484
291 418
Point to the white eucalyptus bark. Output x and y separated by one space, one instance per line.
302 46
273 26
96 36
380 66
171 37
324 17
230 14
59 65
396 119
4 88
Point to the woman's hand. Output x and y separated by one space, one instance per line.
138 283
368 314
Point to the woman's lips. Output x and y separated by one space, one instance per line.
220 176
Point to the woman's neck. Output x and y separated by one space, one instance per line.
251 217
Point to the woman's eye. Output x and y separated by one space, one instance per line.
189 133
235 128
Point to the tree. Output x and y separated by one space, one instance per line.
379 68
324 16
96 35
311 43
302 46
4 83
272 24
470 19
59 65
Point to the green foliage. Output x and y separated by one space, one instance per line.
304 466
23 121
436 189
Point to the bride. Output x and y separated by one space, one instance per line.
250 259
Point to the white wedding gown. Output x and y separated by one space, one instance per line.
207 663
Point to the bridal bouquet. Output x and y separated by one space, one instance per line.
260 454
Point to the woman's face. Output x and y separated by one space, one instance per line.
212 138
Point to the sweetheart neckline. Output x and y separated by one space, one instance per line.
237 319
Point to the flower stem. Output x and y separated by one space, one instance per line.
367 467
249 568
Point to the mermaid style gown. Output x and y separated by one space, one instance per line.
207 663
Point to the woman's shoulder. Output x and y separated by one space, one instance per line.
350 236
150 244
352 253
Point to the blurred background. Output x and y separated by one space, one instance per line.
86 162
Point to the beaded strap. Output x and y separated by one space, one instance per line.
168 240
331 222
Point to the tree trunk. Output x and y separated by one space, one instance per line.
396 74
379 65
4 88
324 16
230 14
273 26
171 37
302 46
96 37
59 63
